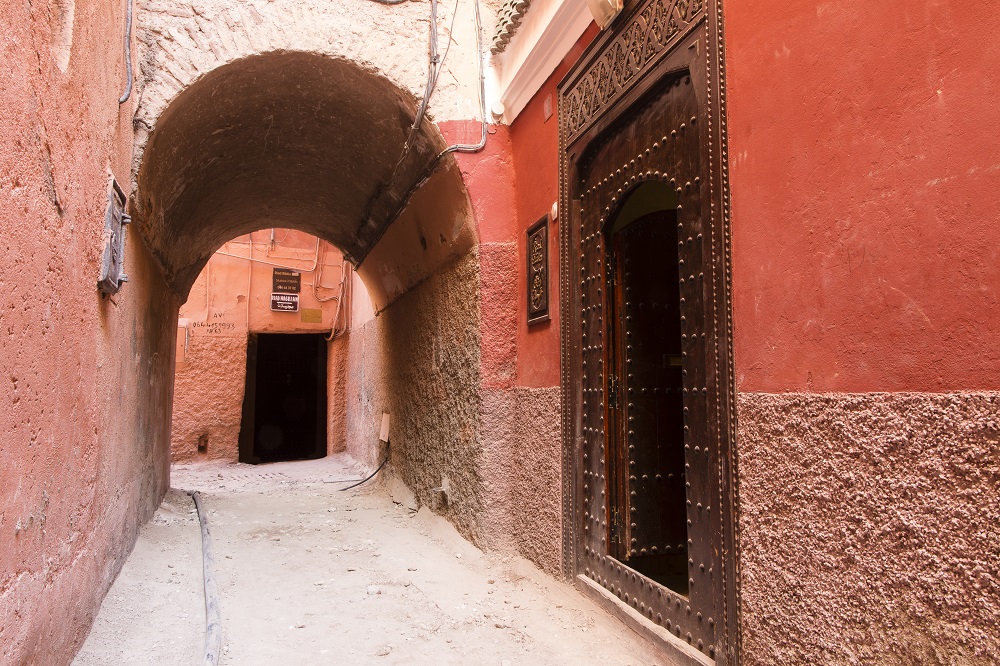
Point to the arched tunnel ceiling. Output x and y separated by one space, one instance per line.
302 141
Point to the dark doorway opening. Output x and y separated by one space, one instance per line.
646 402
284 406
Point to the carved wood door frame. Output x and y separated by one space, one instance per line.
616 96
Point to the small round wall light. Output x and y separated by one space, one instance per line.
605 11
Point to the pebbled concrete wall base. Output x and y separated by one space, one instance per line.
495 447
870 528
522 473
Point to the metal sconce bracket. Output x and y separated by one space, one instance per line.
113 256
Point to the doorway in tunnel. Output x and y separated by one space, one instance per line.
284 405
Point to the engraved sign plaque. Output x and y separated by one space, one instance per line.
286 281
538 271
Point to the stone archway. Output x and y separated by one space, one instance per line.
314 143
308 142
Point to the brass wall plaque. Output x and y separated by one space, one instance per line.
311 316
538 271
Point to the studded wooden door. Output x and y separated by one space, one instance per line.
647 395
645 405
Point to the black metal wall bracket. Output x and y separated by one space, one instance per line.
113 257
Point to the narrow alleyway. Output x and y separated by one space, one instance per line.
311 575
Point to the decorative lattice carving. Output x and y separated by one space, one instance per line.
648 34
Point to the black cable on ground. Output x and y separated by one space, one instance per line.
213 618
377 470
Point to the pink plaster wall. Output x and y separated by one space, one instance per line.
869 528
218 316
82 379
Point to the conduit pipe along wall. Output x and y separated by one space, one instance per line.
434 67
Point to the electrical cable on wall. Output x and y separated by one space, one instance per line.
475 147
315 259
372 475
433 70
429 88
128 53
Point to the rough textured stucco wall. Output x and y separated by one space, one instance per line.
208 398
336 394
497 445
82 380
359 352
418 360
864 170
520 464
522 473
870 528
431 350
865 260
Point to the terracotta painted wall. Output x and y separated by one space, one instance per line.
83 455
864 170
865 167
216 319
535 145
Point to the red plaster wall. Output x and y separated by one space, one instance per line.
489 180
84 381
865 163
535 143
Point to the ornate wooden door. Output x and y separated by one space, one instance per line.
649 496
645 403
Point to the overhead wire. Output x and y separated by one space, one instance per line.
433 62
315 260
454 148
475 147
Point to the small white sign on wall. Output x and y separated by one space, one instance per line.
383 433
285 302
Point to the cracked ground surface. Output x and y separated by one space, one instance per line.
311 575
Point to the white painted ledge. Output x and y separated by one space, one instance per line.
549 30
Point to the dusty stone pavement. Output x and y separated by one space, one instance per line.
311 575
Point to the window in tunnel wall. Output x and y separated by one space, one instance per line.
285 403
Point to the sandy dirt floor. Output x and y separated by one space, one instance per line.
308 574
